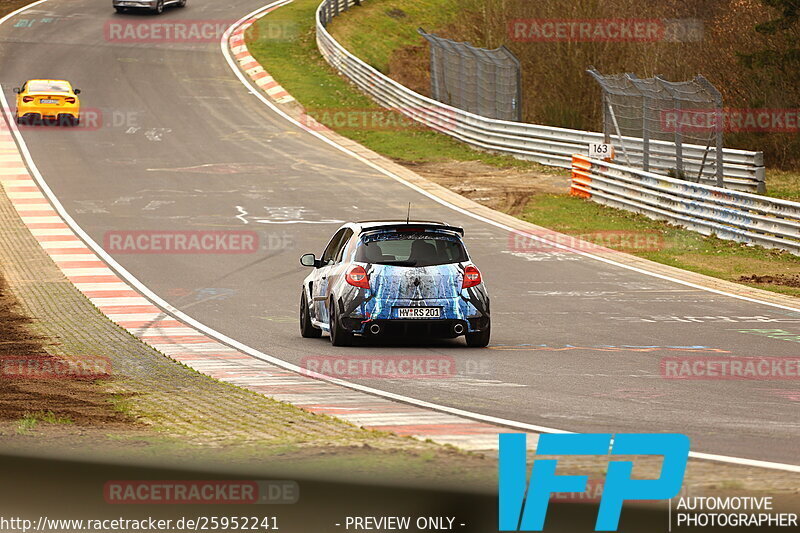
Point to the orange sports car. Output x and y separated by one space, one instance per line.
49 101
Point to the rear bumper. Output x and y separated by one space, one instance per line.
440 328
149 4
454 311
48 112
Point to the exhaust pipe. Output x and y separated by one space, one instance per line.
458 329
375 329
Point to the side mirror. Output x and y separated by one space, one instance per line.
309 260
77 91
17 90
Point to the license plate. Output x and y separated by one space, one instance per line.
48 101
419 312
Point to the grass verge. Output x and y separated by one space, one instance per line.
783 184
295 63
27 423
663 243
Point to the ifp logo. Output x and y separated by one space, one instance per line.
524 509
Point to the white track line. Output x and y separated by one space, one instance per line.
143 289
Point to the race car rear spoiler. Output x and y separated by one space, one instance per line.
415 226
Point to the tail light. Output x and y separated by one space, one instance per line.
69 100
472 277
357 277
27 99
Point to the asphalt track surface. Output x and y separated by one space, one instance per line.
183 145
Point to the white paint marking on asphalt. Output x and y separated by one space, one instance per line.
136 317
42 220
66 232
170 331
62 258
75 272
119 301
109 286
40 205
16 195
62 244
242 214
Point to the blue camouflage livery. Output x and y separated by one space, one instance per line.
379 278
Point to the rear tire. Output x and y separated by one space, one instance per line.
120 9
307 329
339 336
182 3
20 120
479 339
159 7
67 120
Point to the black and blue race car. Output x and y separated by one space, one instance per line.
410 278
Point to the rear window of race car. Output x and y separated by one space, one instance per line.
413 249
47 87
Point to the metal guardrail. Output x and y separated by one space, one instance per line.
732 215
743 170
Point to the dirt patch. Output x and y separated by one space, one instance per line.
410 64
7 6
506 190
411 67
396 13
786 280
34 382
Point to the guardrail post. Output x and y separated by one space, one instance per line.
761 184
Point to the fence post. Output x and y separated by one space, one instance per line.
676 107
641 89
606 119
718 127
517 105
